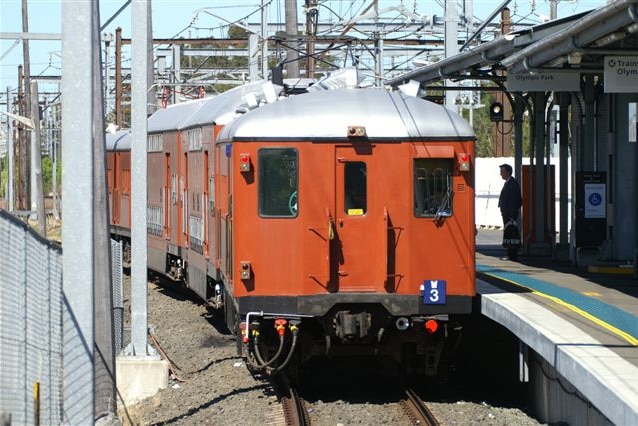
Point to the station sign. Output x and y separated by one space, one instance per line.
591 208
595 203
543 82
621 74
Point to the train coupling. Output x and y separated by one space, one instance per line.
349 326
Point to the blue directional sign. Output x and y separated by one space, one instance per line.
434 292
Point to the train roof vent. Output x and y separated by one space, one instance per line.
251 100
346 78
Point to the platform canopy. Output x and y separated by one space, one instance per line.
577 44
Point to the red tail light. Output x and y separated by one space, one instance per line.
431 326
464 162
244 162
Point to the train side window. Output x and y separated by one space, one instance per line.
278 182
433 193
355 188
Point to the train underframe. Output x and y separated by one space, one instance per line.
411 344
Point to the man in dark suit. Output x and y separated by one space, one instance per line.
510 201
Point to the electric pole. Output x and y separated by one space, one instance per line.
37 190
312 15
119 114
502 134
292 29
451 43
25 189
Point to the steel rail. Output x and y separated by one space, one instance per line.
417 411
294 408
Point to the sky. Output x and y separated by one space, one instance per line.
173 18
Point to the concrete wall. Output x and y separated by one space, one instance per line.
556 401
488 188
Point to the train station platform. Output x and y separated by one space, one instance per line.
582 321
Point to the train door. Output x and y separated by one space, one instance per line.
113 189
204 207
185 193
167 195
359 223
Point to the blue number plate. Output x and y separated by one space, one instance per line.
434 292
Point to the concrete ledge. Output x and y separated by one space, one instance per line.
140 377
618 270
609 382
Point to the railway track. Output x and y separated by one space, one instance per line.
294 408
417 411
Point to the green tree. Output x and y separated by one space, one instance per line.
4 176
484 129
47 175
230 63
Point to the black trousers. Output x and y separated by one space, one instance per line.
512 253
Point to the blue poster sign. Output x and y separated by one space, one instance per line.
595 203
434 292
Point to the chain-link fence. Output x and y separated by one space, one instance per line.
34 320
31 347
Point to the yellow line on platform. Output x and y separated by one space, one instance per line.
628 337
617 270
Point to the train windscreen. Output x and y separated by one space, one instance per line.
433 187
278 182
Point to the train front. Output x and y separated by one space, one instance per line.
349 228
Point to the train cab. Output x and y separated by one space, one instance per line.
351 207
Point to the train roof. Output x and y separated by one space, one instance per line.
119 141
328 114
218 109
173 116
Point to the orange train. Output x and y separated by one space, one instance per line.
336 222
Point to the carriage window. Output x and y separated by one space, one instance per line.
278 182
433 187
355 190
